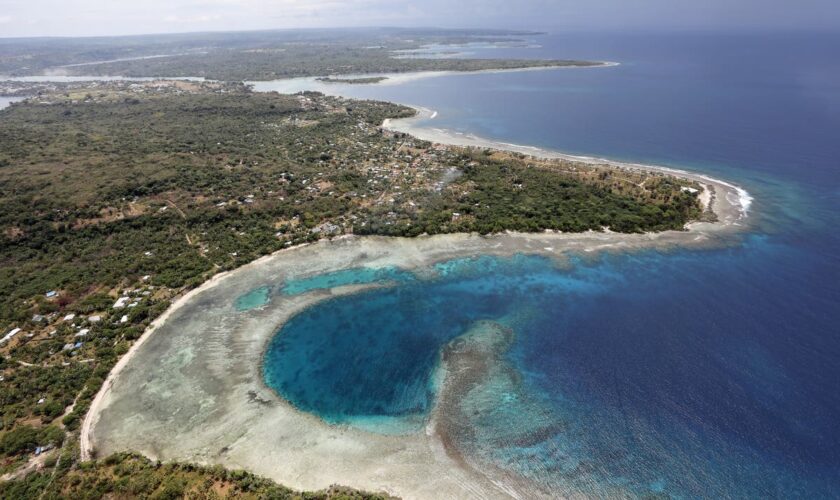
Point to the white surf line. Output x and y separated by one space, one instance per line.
409 76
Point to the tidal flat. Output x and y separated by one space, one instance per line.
194 389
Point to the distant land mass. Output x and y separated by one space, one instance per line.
260 55
119 198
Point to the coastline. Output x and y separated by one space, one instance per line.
192 385
737 198
687 364
392 78
311 83
397 78
92 415
195 388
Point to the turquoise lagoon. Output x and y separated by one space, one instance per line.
687 373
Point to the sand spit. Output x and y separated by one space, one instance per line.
400 78
311 83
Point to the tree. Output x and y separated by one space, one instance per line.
21 438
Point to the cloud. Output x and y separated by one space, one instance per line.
199 19
108 17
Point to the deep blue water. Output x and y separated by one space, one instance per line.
693 373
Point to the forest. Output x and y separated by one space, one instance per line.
131 476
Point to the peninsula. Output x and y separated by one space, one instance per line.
264 55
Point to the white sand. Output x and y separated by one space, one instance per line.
193 389
294 85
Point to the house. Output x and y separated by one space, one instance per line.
120 303
69 317
51 294
9 335
82 332
95 318
124 319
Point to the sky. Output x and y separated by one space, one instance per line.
124 17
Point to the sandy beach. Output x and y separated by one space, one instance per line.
93 414
193 389
311 83
731 210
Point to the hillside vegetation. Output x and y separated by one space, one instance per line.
131 476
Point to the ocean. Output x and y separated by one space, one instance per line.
686 373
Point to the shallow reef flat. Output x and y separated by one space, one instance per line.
193 387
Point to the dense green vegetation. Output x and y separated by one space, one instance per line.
132 476
260 55
138 192
495 195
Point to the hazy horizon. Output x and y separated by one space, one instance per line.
75 18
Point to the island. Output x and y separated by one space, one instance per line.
263 55
129 205
150 202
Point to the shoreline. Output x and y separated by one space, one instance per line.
451 138
309 83
191 383
194 389
392 77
